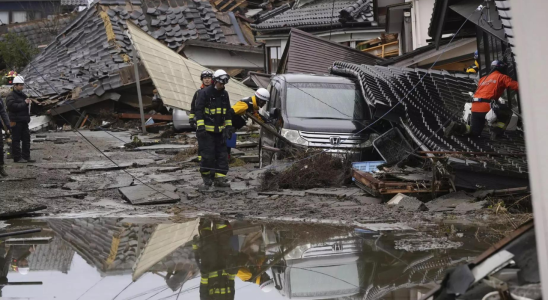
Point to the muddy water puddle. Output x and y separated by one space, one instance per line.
143 258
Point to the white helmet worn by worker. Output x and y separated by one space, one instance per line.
221 76
267 286
263 94
23 271
19 79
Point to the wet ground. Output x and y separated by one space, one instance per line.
73 179
158 258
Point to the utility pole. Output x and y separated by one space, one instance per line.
138 83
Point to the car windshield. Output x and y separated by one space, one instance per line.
324 101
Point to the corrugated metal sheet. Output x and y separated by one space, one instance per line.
165 239
175 77
306 53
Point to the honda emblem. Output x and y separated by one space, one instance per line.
335 140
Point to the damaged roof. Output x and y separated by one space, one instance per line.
307 53
438 99
319 14
90 52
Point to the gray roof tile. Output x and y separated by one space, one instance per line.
319 13
83 53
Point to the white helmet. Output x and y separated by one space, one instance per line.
23 271
267 286
221 76
263 94
18 79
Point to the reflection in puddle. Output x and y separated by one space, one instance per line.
108 258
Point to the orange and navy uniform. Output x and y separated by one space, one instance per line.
491 87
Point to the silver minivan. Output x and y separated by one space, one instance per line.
316 111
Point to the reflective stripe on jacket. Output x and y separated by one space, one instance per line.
213 109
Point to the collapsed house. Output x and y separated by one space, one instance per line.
91 60
424 111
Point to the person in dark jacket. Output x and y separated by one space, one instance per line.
214 121
4 124
18 105
206 78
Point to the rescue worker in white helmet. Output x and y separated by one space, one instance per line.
250 104
18 107
214 127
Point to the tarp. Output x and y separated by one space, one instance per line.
175 77
165 239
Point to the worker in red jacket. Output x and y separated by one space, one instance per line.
490 87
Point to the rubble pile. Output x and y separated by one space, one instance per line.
428 108
321 170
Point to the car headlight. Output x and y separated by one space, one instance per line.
298 252
294 136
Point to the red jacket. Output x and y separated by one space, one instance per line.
491 87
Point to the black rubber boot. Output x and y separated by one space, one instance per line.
208 182
222 182
3 171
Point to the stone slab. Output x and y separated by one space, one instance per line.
449 201
59 166
469 207
154 194
236 153
407 203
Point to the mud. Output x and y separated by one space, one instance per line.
58 173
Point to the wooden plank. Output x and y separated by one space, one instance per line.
84 122
237 4
154 117
224 6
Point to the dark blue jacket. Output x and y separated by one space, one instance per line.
18 109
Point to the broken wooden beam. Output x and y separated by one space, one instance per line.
154 117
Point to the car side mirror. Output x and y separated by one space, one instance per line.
274 113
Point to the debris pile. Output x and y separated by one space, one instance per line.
321 170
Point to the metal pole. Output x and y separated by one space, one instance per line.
5 234
138 83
